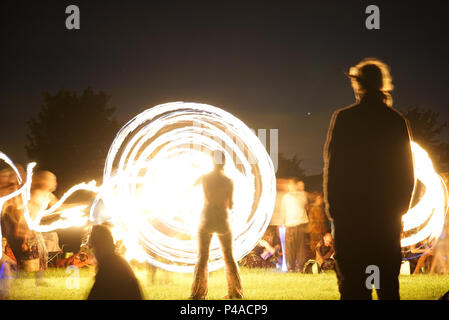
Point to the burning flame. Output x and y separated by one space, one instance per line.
432 206
148 188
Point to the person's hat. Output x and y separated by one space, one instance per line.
372 74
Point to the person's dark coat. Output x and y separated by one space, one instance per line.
368 164
368 185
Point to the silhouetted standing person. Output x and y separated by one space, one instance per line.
296 221
115 280
218 194
317 224
368 183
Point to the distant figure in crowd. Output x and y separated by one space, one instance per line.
294 205
7 266
13 224
317 217
218 194
115 280
278 217
368 183
324 251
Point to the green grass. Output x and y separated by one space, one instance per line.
258 284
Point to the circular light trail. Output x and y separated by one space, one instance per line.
149 192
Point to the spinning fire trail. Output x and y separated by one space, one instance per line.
148 191
149 197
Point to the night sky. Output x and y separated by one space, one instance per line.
275 65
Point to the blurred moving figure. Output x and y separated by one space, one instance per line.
278 217
41 198
115 280
14 226
27 245
43 185
294 205
368 183
218 194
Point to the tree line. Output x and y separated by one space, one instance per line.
72 133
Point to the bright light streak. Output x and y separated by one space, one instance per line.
428 215
22 191
69 218
284 267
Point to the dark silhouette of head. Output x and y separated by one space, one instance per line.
371 77
219 160
101 241
115 279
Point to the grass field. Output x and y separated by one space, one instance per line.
258 284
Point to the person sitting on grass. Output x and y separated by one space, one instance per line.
115 280
266 254
325 252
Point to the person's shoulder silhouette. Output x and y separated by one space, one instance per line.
115 280
368 154
368 182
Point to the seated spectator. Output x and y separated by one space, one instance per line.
82 259
325 253
266 253
115 280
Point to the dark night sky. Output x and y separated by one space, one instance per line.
268 63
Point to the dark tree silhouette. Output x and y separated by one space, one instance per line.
290 167
71 135
426 130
